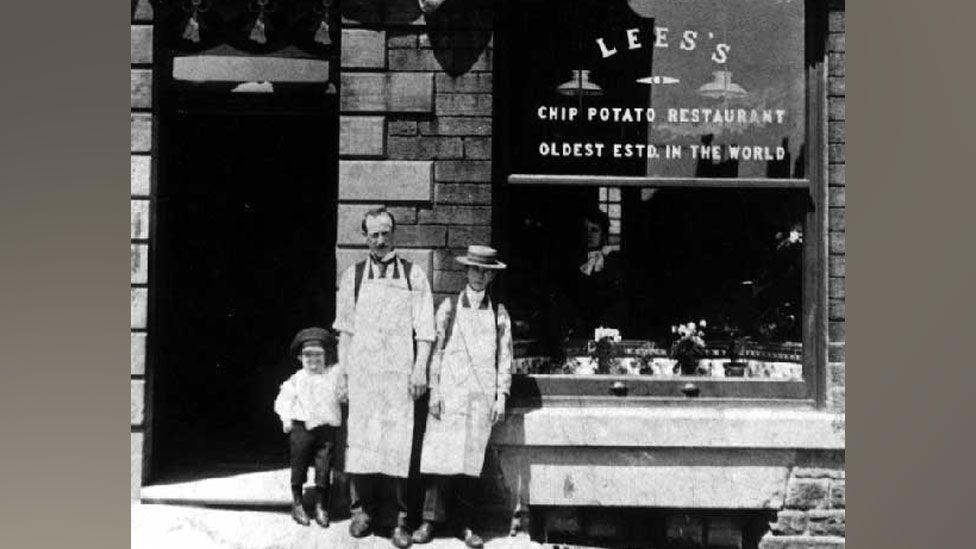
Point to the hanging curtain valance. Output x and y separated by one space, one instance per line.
285 28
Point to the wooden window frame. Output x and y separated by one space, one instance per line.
590 390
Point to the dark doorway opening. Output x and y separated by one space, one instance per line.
244 258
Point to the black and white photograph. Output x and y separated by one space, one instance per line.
560 274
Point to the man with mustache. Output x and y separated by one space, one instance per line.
384 309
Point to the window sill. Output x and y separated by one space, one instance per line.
672 427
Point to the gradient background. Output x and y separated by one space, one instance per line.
64 245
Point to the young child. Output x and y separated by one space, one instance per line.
308 405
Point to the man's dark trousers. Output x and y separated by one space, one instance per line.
450 498
366 490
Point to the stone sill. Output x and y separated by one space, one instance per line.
674 427
802 542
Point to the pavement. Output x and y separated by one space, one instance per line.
166 526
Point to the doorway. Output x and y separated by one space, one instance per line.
244 258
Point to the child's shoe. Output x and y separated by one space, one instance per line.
424 533
401 538
359 525
321 515
298 513
471 539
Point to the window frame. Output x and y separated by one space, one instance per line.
586 390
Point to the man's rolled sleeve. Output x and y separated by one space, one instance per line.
423 306
441 320
345 319
505 351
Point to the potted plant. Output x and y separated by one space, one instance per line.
736 368
645 353
601 348
688 348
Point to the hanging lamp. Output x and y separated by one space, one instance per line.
323 32
193 27
429 6
260 28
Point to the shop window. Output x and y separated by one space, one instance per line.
660 196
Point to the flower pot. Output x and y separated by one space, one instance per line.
687 366
603 352
735 369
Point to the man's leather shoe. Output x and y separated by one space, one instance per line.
298 513
359 526
401 538
321 516
424 533
471 539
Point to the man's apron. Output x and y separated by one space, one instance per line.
380 362
455 443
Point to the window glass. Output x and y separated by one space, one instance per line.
675 277
708 88
729 257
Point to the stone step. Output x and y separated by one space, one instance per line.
255 489
264 489
166 526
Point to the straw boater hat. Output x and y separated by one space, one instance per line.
481 256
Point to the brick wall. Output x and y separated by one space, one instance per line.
415 129
814 511
837 181
140 185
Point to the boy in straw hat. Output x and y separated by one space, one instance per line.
308 405
470 376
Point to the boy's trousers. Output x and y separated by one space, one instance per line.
311 446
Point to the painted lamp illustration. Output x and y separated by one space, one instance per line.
722 87
579 85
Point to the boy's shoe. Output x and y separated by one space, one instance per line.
321 516
359 526
401 538
424 533
298 513
471 539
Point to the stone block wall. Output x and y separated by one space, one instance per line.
804 491
415 129
416 134
140 192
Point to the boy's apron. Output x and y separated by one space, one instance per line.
455 443
380 361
